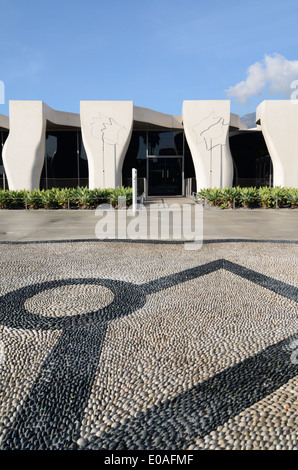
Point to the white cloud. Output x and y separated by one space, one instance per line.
274 71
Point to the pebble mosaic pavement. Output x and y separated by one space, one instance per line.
120 345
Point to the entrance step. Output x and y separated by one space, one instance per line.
167 200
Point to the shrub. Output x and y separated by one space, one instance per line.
120 192
4 197
16 199
264 198
49 198
291 197
99 196
213 195
64 197
83 197
231 196
34 199
248 197
278 196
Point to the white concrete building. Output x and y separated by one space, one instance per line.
207 146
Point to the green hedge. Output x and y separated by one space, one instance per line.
265 197
55 198
84 198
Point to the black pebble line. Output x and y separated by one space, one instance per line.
13 313
153 242
175 424
274 285
166 282
52 414
211 401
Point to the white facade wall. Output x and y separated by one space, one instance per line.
206 127
107 127
23 152
278 121
106 132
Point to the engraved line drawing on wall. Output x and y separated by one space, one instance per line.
107 129
211 131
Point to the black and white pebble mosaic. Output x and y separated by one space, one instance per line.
148 346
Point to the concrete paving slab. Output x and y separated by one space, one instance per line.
261 224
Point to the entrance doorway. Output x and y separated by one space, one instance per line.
165 176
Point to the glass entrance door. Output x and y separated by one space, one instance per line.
165 176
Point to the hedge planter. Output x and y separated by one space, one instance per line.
84 198
65 198
264 197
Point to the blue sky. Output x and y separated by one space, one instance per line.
156 53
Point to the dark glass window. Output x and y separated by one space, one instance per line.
135 157
3 180
83 162
165 176
165 143
252 162
66 162
144 146
189 169
3 137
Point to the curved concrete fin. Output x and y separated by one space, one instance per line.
278 122
23 151
206 126
106 132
